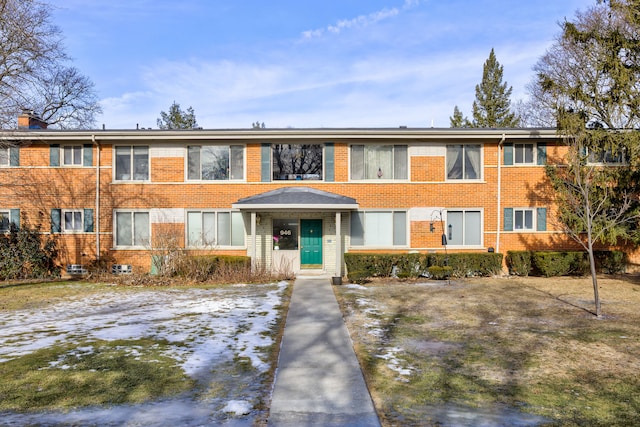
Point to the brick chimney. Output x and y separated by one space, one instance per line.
28 119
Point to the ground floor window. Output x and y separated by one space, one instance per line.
132 228
285 234
464 228
4 221
213 228
379 228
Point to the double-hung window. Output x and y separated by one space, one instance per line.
379 229
297 162
212 228
132 228
132 163
375 161
72 155
215 162
464 161
525 219
523 154
464 228
73 221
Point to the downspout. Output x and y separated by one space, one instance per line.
499 213
96 219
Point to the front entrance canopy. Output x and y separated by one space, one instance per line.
301 199
291 198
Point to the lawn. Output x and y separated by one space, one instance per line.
525 350
78 353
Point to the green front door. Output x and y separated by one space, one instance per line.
311 243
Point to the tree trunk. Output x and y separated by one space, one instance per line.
594 280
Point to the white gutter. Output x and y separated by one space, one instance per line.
96 219
499 213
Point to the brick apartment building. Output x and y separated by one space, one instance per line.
288 198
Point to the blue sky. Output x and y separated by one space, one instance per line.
303 64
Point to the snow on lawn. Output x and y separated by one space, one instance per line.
373 325
208 327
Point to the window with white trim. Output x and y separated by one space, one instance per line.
464 228
464 161
132 228
215 162
132 163
523 154
525 219
73 221
215 228
379 228
72 155
375 161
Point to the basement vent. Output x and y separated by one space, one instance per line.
76 269
121 269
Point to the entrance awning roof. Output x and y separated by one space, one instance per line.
296 198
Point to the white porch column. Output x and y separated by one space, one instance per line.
338 245
254 250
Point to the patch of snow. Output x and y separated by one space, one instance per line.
356 286
238 407
206 326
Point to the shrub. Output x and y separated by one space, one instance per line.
203 268
519 262
24 255
559 263
439 272
611 262
361 266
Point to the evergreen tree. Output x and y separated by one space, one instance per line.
590 81
458 120
491 109
177 119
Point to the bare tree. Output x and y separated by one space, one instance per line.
34 73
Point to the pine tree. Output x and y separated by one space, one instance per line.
177 119
458 120
491 109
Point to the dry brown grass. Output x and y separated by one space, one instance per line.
526 343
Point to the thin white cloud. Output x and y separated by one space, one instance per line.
357 22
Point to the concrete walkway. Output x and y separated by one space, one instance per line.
319 381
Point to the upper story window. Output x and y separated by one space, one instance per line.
525 154
297 162
215 162
132 163
606 157
464 161
9 156
72 155
4 156
371 162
